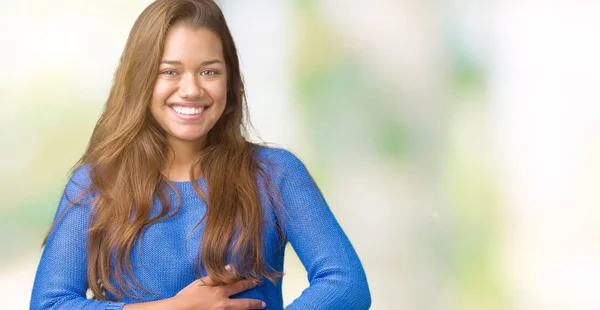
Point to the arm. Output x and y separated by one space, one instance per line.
61 278
336 276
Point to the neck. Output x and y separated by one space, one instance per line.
180 159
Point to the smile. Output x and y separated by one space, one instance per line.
187 111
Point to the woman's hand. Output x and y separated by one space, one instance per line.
203 294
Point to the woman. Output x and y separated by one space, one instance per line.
171 208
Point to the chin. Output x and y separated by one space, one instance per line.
189 137
192 139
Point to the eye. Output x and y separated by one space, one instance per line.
209 72
169 72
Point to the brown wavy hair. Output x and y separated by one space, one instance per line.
127 151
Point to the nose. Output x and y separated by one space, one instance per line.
190 87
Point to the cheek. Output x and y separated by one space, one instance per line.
162 90
218 92
157 102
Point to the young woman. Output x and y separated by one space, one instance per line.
171 208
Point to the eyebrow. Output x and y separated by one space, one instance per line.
177 62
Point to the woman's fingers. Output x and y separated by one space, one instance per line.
237 287
203 293
245 303
232 289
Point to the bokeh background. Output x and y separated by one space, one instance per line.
457 142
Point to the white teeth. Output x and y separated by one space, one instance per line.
188 111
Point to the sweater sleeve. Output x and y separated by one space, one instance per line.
336 277
61 277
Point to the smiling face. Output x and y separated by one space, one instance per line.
190 92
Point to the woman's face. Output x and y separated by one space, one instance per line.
191 88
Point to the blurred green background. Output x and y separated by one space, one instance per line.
457 142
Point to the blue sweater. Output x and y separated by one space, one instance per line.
163 262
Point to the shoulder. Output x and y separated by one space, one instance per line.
79 181
81 176
278 159
76 193
283 167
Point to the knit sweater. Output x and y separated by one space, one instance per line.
164 261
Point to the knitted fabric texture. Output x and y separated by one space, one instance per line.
165 259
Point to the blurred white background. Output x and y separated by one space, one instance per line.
457 142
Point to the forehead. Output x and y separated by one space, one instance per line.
192 45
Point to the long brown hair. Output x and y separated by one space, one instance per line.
127 151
